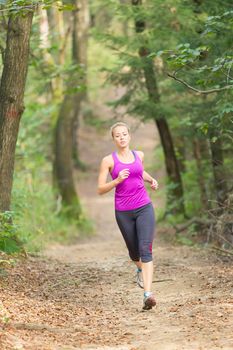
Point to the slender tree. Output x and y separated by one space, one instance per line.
218 170
208 60
172 167
81 25
59 37
63 161
198 155
12 87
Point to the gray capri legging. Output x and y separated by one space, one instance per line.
138 228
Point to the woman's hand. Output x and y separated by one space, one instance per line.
123 174
154 184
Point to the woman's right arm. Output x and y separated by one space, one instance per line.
103 185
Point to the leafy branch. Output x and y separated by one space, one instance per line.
205 92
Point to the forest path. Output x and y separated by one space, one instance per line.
83 296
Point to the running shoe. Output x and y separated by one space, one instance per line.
149 302
139 279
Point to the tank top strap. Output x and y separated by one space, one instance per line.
135 155
116 160
114 157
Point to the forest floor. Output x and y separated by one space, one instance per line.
84 295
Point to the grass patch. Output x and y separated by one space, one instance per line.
36 216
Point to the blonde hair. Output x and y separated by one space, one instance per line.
118 124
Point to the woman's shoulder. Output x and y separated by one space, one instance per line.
108 160
140 154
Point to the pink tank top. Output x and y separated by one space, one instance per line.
131 193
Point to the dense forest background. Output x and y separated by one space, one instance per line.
171 62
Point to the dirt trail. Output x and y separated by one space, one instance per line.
83 296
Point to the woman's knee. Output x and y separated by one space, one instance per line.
145 248
134 256
147 258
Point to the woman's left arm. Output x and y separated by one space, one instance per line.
146 176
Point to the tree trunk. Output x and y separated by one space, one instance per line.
11 98
55 27
218 171
175 199
175 194
81 23
3 31
63 165
180 143
197 152
44 29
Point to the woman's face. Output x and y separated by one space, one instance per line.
121 136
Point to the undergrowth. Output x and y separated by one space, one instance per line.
34 220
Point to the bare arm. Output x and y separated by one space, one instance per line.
146 176
103 185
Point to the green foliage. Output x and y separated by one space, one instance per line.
191 189
195 39
98 55
207 67
37 213
33 201
92 119
9 234
184 240
21 7
185 55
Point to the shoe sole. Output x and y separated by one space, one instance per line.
149 303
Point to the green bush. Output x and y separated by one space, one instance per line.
9 234
37 214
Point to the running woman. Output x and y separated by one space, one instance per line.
133 208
